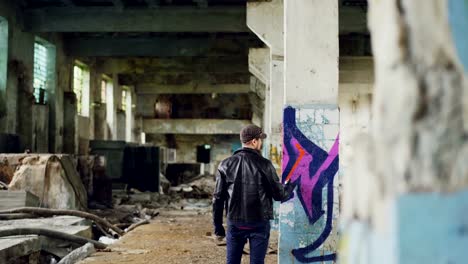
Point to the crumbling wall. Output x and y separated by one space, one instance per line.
53 179
408 184
222 146
229 106
19 90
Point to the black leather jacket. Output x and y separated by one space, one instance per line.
246 183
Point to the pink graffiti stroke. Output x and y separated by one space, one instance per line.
301 170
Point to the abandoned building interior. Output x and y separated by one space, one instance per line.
115 114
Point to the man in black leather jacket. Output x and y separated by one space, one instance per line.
246 184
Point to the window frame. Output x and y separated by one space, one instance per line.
49 72
4 46
82 94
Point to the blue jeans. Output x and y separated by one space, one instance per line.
258 235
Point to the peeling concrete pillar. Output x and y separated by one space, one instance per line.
308 221
265 19
259 66
406 195
276 100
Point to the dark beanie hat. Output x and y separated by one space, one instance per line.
251 132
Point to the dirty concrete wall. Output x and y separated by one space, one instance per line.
355 117
87 125
40 131
99 127
3 72
186 145
84 136
355 101
63 77
70 119
121 125
19 88
405 196
19 79
229 106
100 122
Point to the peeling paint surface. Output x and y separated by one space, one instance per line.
310 161
437 223
458 18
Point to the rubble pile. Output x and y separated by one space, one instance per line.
201 187
57 207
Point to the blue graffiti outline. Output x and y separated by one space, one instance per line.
326 178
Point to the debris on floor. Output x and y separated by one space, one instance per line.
59 209
200 187
176 236
15 248
52 178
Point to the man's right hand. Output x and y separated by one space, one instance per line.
219 231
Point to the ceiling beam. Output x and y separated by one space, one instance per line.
185 78
68 2
119 4
192 88
173 64
201 3
194 126
167 19
356 70
153 3
158 46
353 19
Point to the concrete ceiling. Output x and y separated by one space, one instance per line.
116 30
160 44
129 3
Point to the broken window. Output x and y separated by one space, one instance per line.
103 91
124 99
127 106
81 88
105 82
44 70
110 104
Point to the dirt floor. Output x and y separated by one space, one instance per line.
173 237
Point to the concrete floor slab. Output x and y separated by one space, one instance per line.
171 238
18 246
24 245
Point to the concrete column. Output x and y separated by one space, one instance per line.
259 66
114 102
94 89
276 100
130 115
70 122
265 19
406 195
307 224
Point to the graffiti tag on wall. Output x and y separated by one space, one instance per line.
312 170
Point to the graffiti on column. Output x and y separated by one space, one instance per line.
312 170
275 155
